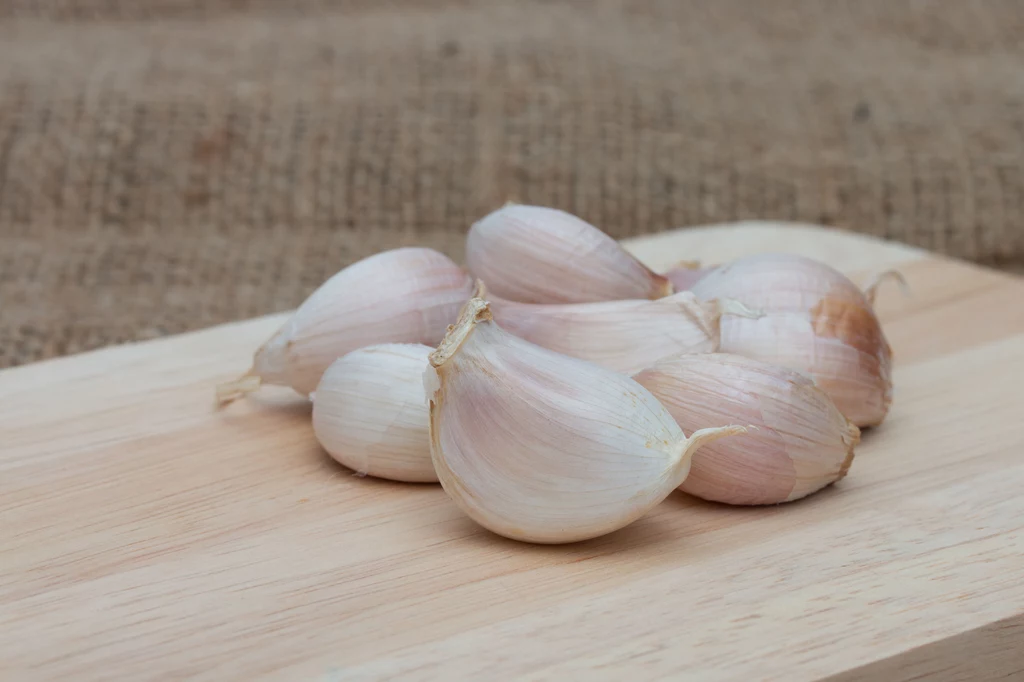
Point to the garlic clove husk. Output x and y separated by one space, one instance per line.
624 336
370 414
533 254
801 442
541 447
815 321
407 295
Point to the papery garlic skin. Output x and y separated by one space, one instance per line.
624 336
407 295
370 414
541 447
815 321
533 254
801 442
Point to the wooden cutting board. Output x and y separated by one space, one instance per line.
145 535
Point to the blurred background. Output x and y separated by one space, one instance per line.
166 165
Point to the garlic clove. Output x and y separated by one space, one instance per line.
534 254
800 444
541 447
624 336
407 295
815 321
370 414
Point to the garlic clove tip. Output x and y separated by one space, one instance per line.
699 439
230 391
476 310
894 275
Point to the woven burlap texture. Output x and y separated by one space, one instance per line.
166 165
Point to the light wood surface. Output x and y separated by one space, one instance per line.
145 535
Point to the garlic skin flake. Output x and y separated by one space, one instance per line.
370 414
624 336
533 254
541 447
407 295
815 321
801 442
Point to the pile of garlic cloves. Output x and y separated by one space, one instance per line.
558 388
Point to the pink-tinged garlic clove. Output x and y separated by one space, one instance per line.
815 321
533 254
407 295
800 442
624 336
541 447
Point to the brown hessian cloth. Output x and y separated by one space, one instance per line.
166 165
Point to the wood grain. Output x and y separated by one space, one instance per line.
148 536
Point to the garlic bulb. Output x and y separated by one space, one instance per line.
541 447
407 295
370 414
801 442
624 336
533 254
815 321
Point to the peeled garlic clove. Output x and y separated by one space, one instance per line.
533 254
407 295
370 414
624 336
801 442
541 447
815 321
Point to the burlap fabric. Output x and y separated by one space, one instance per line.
170 164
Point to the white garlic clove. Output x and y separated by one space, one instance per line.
534 254
541 447
624 336
370 414
407 295
815 321
800 444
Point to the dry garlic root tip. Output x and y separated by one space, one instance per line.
533 254
815 321
801 442
370 414
541 447
407 295
230 391
624 336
